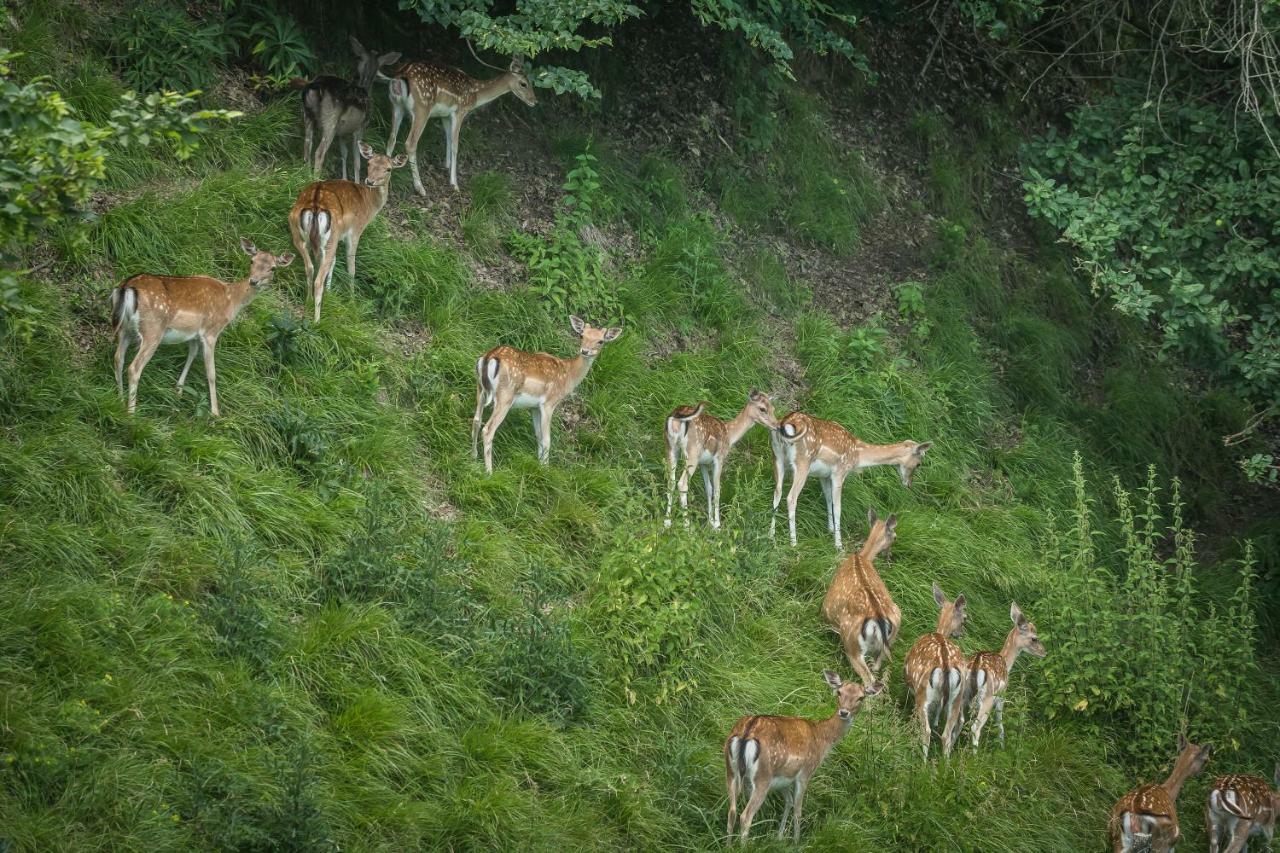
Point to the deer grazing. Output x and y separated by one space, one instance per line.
705 441
858 605
989 672
339 108
427 90
1148 810
329 211
807 445
936 671
763 753
1241 806
158 309
508 378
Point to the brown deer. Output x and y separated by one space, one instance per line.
858 605
936 671
807 445
783 752
1241 806
329 211
1148 810
508 378
989 672
340 108
427 90
159 309
705 441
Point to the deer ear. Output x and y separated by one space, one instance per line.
873 689
938 597
285 259
832 679
1182 741
517 63
366 151
1015 613
358 47
922 447
612 334
388 58
1276 775
871 516
959 602
577 324
247 246
399 160
892 522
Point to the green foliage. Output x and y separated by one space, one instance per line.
275 40
157 45
1171 213
910 296
1136 618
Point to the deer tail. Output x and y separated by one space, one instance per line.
790 432
487 373
124 303
678 421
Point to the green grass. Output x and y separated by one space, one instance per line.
316 622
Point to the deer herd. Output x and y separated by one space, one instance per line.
761 752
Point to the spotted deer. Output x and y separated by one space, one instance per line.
858 605
161 309
1148 812
427 90
339 109
936 670
1241 806
508 378
989 672
705 441
806 445
329 211
763 753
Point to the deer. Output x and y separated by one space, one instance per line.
767 752
1241 806
1149 810
936 671
858 605
340 108
508 378
989 672
427 90
160 309
705 441
807 445
329 211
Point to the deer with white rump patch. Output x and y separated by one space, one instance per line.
936 671
339 108
763 753
858 605
989 672
329 211
705 441
1241 806
508 378
427 90
1149 810
810 446
160 309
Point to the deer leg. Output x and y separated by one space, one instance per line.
446 126
856 654
146 349
211 373
482 400
922 711
455 131
731 782
355 156
802 785
706 487
326 139
343 154
683 486
191 356
421 113
502 401
980 718
397 114
825 482
323 275
955 708
122 349
837 488
300 244
758 793
799 474
544 451
715 482
353 243
779 474
1000 719
1240 836
673 451
308 132
790 795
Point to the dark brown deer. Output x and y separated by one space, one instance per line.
340 108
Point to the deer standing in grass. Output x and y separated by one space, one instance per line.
809 446
858 605
705 441
427 90
329 211
764 752
989 672
508 378
936 670
1240 806
339 108
161 309
1149 810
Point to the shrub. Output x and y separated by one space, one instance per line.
160 46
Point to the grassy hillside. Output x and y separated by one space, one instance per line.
314 623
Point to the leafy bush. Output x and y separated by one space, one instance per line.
1134 648
159 46
275 40
244 625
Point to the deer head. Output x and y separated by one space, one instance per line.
951 614
520 84
593 339
880 536
368 64
760 409
914 456
1027 639
264 263
380 165
849 694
